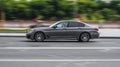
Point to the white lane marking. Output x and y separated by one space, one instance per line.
66 60
52 48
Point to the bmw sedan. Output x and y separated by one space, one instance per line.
81 31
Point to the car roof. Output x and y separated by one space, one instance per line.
77 21
71 20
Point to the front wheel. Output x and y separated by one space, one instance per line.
84 37
39 37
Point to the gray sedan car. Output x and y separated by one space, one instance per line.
67 29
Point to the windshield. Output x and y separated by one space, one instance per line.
54 24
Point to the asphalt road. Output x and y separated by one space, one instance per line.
21 52
59 64
23 42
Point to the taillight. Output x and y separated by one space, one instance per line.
97 29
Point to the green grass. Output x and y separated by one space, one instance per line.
12 31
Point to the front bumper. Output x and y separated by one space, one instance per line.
30 36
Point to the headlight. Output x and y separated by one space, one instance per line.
30 31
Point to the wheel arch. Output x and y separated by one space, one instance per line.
85 32
39 32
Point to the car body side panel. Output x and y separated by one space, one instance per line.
64 32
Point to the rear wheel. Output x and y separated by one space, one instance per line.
39 37
84 37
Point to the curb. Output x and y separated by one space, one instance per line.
12 36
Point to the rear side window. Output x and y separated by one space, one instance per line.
76 24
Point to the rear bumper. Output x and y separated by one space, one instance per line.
94 35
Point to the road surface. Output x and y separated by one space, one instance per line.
21 52
23 42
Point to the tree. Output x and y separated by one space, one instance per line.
91 10
3 6
2 9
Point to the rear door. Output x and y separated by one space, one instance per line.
74 28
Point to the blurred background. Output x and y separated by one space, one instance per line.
18 15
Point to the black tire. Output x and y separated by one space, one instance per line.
39 37
84 37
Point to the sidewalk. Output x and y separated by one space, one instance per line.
12 34
103 33
109 32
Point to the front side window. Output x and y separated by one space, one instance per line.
76 24
62 25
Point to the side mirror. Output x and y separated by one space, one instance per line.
54 27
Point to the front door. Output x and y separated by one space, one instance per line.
60 29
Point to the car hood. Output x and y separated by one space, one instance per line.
41 28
